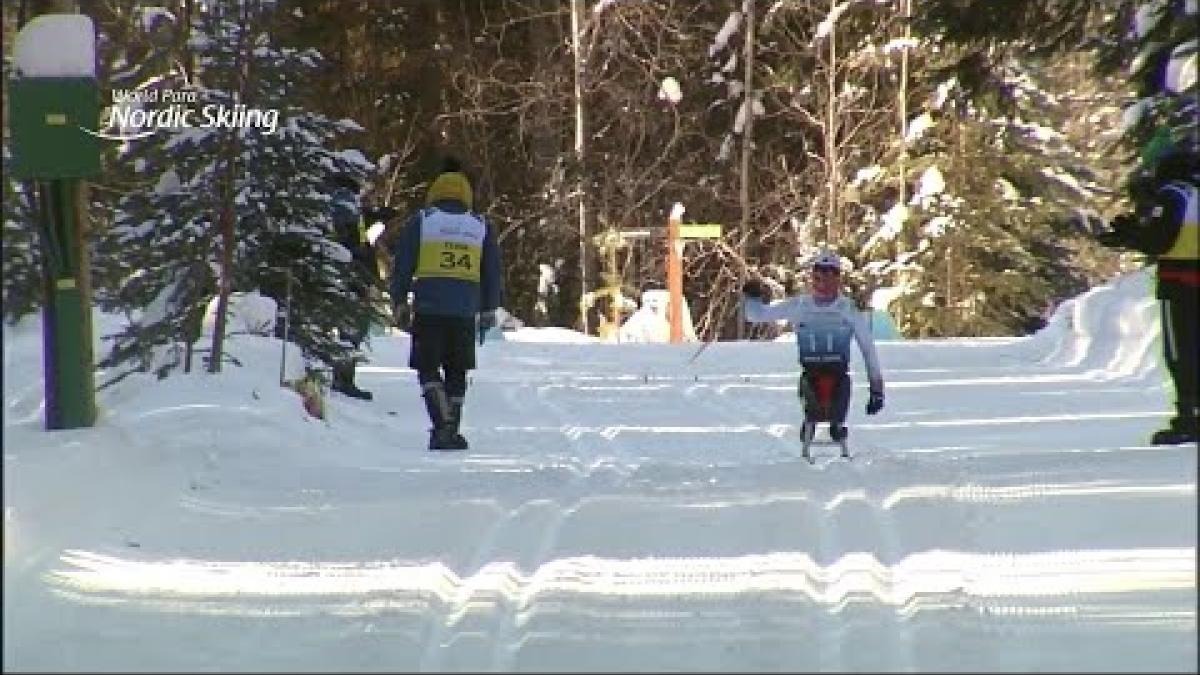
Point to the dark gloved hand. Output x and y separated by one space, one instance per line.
1120 231
1111 239
1125 222
402 315
487 320
875 403
756 288
383 213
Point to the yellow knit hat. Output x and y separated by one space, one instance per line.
451 185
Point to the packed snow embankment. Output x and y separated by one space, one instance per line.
1112 328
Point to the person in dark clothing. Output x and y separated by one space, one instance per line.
1164 226
452 253
350 230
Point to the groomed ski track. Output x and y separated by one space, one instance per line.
621 509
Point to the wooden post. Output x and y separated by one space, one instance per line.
675 274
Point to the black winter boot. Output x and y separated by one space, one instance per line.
1181 429
455 421
343 382
442 436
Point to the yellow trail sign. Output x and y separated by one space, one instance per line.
699 230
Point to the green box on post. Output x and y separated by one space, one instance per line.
47 116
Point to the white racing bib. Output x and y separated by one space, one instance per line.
451 246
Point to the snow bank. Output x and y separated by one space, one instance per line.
550 335
251 313
1114 328
140 395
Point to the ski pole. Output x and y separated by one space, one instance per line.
702 348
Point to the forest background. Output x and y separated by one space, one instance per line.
955 152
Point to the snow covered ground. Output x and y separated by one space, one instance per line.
620 509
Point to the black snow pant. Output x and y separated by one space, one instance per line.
443 350
1179 333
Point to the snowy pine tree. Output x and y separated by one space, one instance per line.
1164 108
233 202
974 236
21 248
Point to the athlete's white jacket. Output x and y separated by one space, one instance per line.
822 328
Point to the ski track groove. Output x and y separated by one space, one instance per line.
885 527
570 495
829 546
523 521
830 642
504 646
723 411
505 625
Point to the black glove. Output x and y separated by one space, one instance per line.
402 315
487 320
875 403
1124 222
1111 239
1121 232
384 213
756 288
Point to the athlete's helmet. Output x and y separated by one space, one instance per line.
827 260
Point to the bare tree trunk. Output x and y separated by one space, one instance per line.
747 136
577 10
185 42
225 282
951 307
902 106
429 90
831 161
192 329
226 215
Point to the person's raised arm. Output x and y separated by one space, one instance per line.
758 310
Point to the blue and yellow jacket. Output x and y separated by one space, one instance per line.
448 256
1167 226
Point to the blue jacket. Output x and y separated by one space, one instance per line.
453 255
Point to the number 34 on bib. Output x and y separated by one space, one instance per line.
449 259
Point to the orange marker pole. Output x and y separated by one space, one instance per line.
675 276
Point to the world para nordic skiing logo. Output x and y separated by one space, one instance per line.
143 111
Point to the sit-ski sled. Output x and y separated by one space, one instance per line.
816 389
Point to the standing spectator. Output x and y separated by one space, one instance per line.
350 230
548 292
1164 226
453 255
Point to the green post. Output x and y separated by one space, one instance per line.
67 317
50 107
